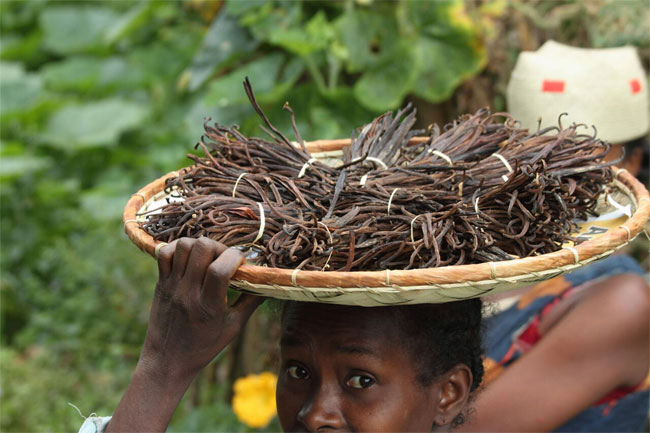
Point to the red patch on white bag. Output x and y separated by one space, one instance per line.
553 86
635 85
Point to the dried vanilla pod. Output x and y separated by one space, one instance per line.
481 189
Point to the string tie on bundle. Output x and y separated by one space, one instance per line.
304 167
576 257
390 200
262 224
505 162
442 155
362 182
378 161
234 188
413 221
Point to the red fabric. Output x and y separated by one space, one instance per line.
616 394
553 86
635 85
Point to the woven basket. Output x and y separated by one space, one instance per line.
415 286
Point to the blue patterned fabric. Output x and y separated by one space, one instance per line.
509 332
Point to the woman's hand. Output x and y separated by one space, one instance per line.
190 323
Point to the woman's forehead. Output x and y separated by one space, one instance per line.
301 319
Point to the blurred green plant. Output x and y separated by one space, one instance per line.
338 64
98 98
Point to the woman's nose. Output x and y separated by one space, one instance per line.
322 411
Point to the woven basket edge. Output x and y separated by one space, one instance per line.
518 268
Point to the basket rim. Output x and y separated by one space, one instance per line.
249 276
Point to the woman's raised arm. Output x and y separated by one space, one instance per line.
190 323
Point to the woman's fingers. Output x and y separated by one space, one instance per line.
203 253
218 277
195 272
181 255
165 260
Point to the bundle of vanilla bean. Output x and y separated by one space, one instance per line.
481 189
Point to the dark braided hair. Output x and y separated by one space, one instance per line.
440 336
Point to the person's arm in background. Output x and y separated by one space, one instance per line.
600 343
190 324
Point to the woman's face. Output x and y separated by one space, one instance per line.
347 369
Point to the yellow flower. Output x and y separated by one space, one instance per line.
254 399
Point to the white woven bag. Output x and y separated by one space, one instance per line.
607 88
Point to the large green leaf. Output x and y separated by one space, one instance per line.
433 14
15 162
428 49
157 62
92 124
448 47
19 15
365 37
337 116
385 86
333 115
228 90
102 204
226 40
18 90
229 115
356 31
238 8
443 67
225 100
315 36
301 97
133 19
74 73
90 74
288 76
268 22
14 166
23 48
76 28
11 71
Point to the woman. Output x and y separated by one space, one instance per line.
409 368
572 353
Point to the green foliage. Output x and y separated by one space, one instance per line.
224 41
71 29
383 53
19 90
98 123
621 23
32 380
90 75
387 44
99 98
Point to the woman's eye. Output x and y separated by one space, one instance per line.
360 382
297 372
